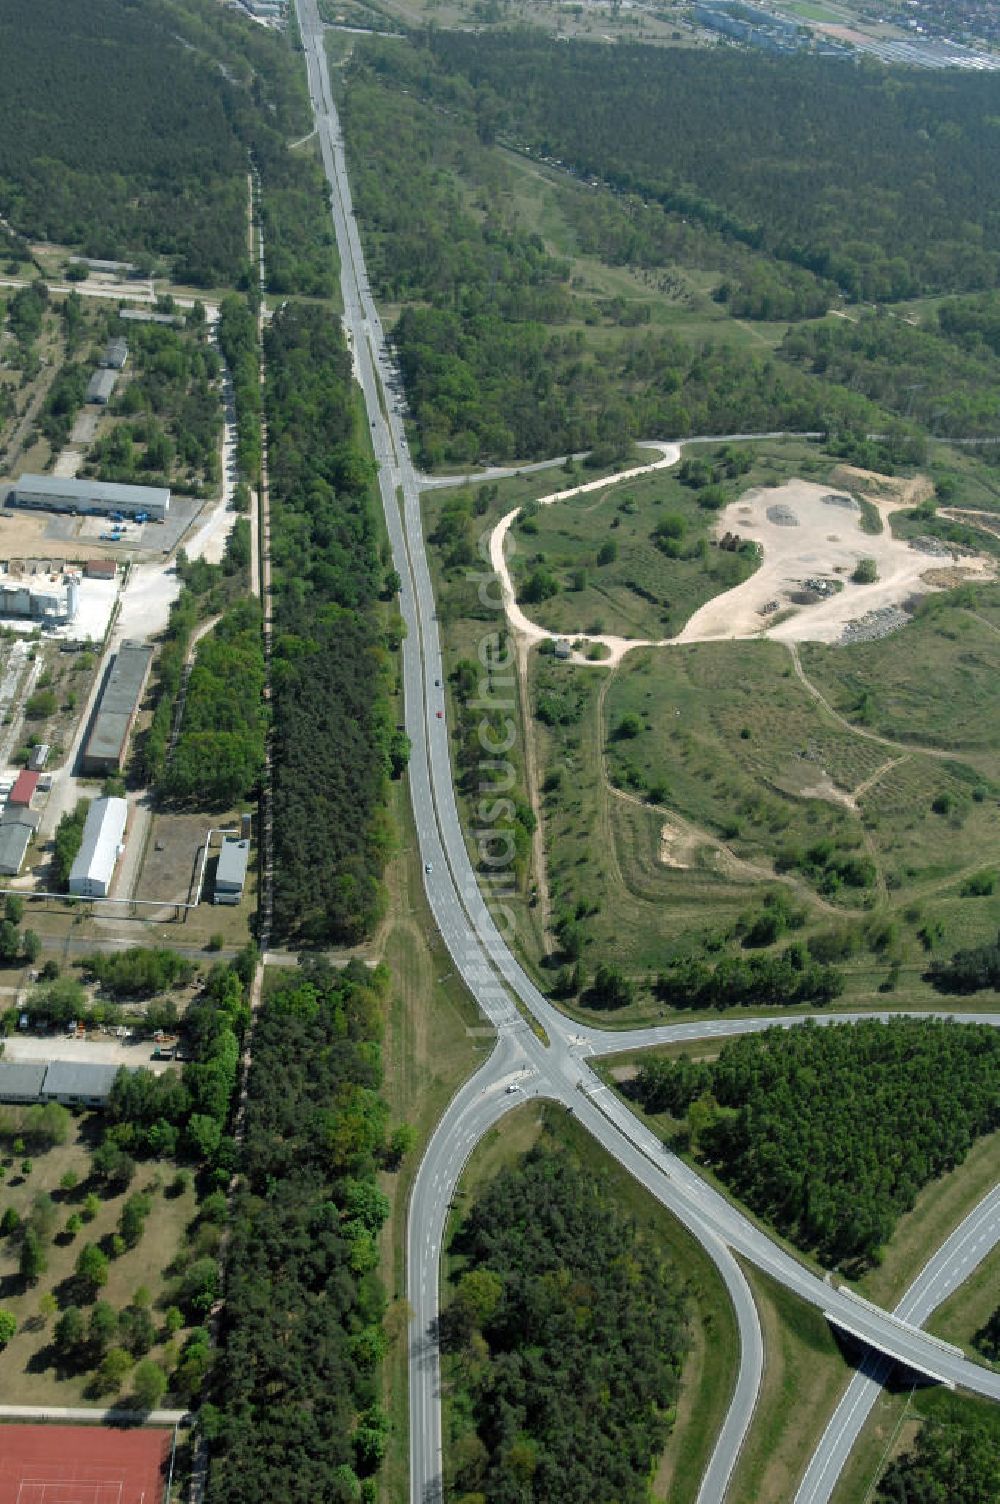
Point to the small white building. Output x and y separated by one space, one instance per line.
102 844
231 873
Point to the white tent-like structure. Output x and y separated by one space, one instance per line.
103 834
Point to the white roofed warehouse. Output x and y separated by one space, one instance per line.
103 837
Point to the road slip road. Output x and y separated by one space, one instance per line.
558 1067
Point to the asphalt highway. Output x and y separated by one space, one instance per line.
557 1066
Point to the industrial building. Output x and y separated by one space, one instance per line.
53 601
108 740
115 354
95 264
147 316
101 386
16 815
231 873
103 835
78 1083
62 493
15 837
75 1083
21 1081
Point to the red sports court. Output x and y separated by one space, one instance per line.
82 1465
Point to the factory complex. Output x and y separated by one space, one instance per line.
51 599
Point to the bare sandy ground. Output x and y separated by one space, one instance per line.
824 543
802 536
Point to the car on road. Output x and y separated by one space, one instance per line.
513 1087
440 715
437 683
428 867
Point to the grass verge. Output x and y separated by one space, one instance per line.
804 1371
435 1037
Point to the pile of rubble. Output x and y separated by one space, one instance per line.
932 546
822 587
874 625
782 515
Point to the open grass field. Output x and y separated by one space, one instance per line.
717 761
668 789
951 704
711 1366
27 1373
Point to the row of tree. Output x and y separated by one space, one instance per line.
161 1116
774 979
297 1393
831 1132
335 746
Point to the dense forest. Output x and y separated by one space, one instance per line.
565 1337
869 178
335 746
950 1463
830 1132
489 339
125 131
296 1393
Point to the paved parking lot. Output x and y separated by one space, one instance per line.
101 1049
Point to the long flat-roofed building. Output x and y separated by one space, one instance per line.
64 493
108 739
103 832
